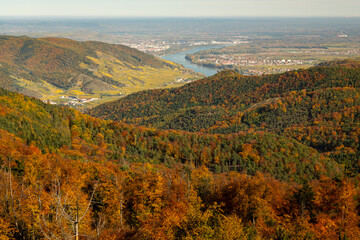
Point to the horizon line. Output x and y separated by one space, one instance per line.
162 17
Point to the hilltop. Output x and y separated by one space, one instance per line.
48 68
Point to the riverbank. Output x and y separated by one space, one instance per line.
180 58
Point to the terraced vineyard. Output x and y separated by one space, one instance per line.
49 68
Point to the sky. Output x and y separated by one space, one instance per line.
181 8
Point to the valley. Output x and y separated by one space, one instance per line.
99 140
180 58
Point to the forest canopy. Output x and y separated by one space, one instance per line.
257 172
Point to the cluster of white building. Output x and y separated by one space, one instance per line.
73 101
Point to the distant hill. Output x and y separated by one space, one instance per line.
318 107
51 67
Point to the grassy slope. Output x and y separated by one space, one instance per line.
51 67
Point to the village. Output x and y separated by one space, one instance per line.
70 101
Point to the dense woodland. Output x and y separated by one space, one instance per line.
318 107
254 173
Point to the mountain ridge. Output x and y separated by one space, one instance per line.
316 106
231 90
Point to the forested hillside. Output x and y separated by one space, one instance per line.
318 107
127 182
51 67
256 173
51 128
227 90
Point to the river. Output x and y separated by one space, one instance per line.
180 59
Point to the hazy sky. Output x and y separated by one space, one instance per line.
180 8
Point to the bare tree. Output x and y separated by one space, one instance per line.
120 193
12 195
64 211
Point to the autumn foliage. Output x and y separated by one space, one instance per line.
65 174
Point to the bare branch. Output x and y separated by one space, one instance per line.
43 219
88 206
